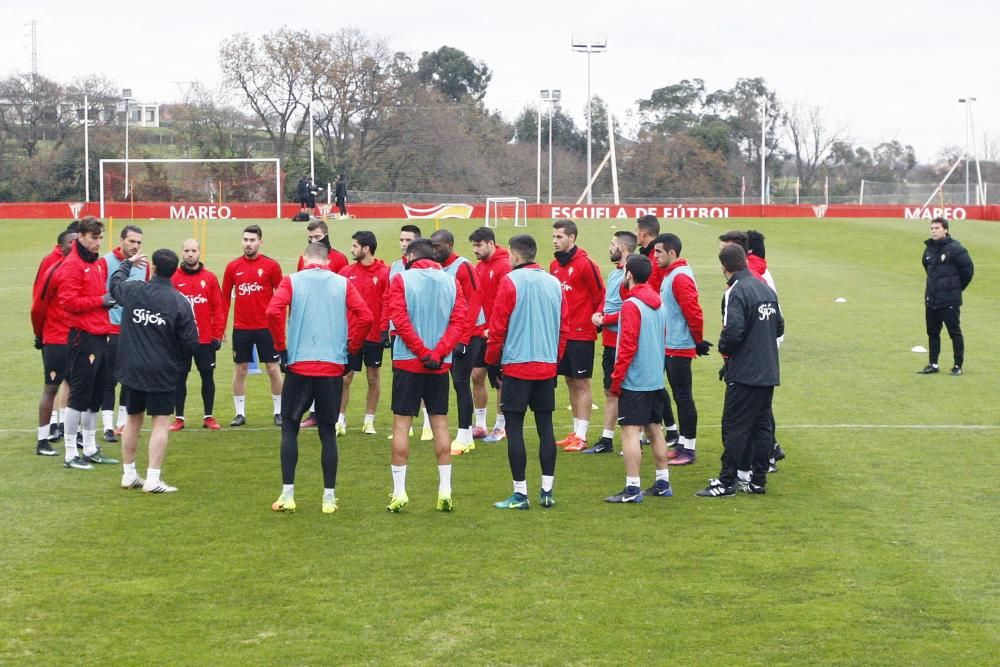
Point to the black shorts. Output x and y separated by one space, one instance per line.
153 403
640 408
55 359
300 391
492 372
203 357
370 354
578 359
463 363
519 395
244 341
608 364
409 389
88 370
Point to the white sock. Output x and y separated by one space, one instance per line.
427 419
576 423
672 427
547 482
328 494
153 475
128 471
521 487
312 407
43 432
689 443
398 480
107 419
501 422
743 475
70 428
122 416
276 401
62 415
180 417
663 475
54 419
631 481
240 402
480 418
444 480
342 419
370 418
581 428
88 423
608 433
464 436
288 491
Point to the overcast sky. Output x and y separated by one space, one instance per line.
880 69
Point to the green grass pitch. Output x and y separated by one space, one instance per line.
876 542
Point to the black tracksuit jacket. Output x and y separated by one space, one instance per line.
751 325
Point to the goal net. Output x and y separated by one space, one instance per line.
499 209
207 181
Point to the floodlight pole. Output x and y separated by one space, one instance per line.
538 162
592 44
763 146
127 96
86 150
967 101
550 96
312 152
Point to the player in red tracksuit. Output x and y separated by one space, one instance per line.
471 340
583 288
494 264
370 276
253 278
647 228
201 288
317 231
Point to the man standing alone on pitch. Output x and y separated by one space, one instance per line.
494 264
327 320
469 342
751 325
637 381
949 271
584 290
370 277
685 340
528 331
428 310
201 288
253 277
158 332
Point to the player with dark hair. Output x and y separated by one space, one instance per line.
949 271
318 232
584 290
427 308
623 246
647 228
469 342
327 320
158 333
130 243
637 381
751 325
253 277
201 288
305 194
370 276
340 195
528 330
82 294
493 265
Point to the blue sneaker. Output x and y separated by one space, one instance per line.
546 499
516 501
630 494
660 489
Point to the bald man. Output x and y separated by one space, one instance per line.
201 288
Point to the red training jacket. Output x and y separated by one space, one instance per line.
372 283
201 288
254 281
490 272
82 284
337 261
48 319
53 257
584 289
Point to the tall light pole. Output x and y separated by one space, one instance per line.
538 163
312 149
127 96
763 146
551 96
969 145
589 44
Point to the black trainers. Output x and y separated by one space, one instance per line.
630 494
602 446
109 435
238 420
956 370
777 453
717 489
672 436
753 489
660 489
928 369
45 449
277 420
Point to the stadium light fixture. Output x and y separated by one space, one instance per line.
970 147
551 97
589 44
127 97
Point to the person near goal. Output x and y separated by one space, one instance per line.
157 333
317 320
493 264
201 288
252 277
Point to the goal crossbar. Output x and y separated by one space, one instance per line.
273 160
520 210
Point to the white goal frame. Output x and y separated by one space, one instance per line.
276 161
520 204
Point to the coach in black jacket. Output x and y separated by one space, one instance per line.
949 271
751 326
158 332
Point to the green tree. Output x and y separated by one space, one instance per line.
452 72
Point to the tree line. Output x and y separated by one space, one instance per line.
399 124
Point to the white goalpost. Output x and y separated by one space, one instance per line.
215 180
506 208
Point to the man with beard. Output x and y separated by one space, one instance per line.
318 232
494 264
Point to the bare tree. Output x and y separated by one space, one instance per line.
812 142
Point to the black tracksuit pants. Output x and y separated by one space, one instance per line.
747 424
